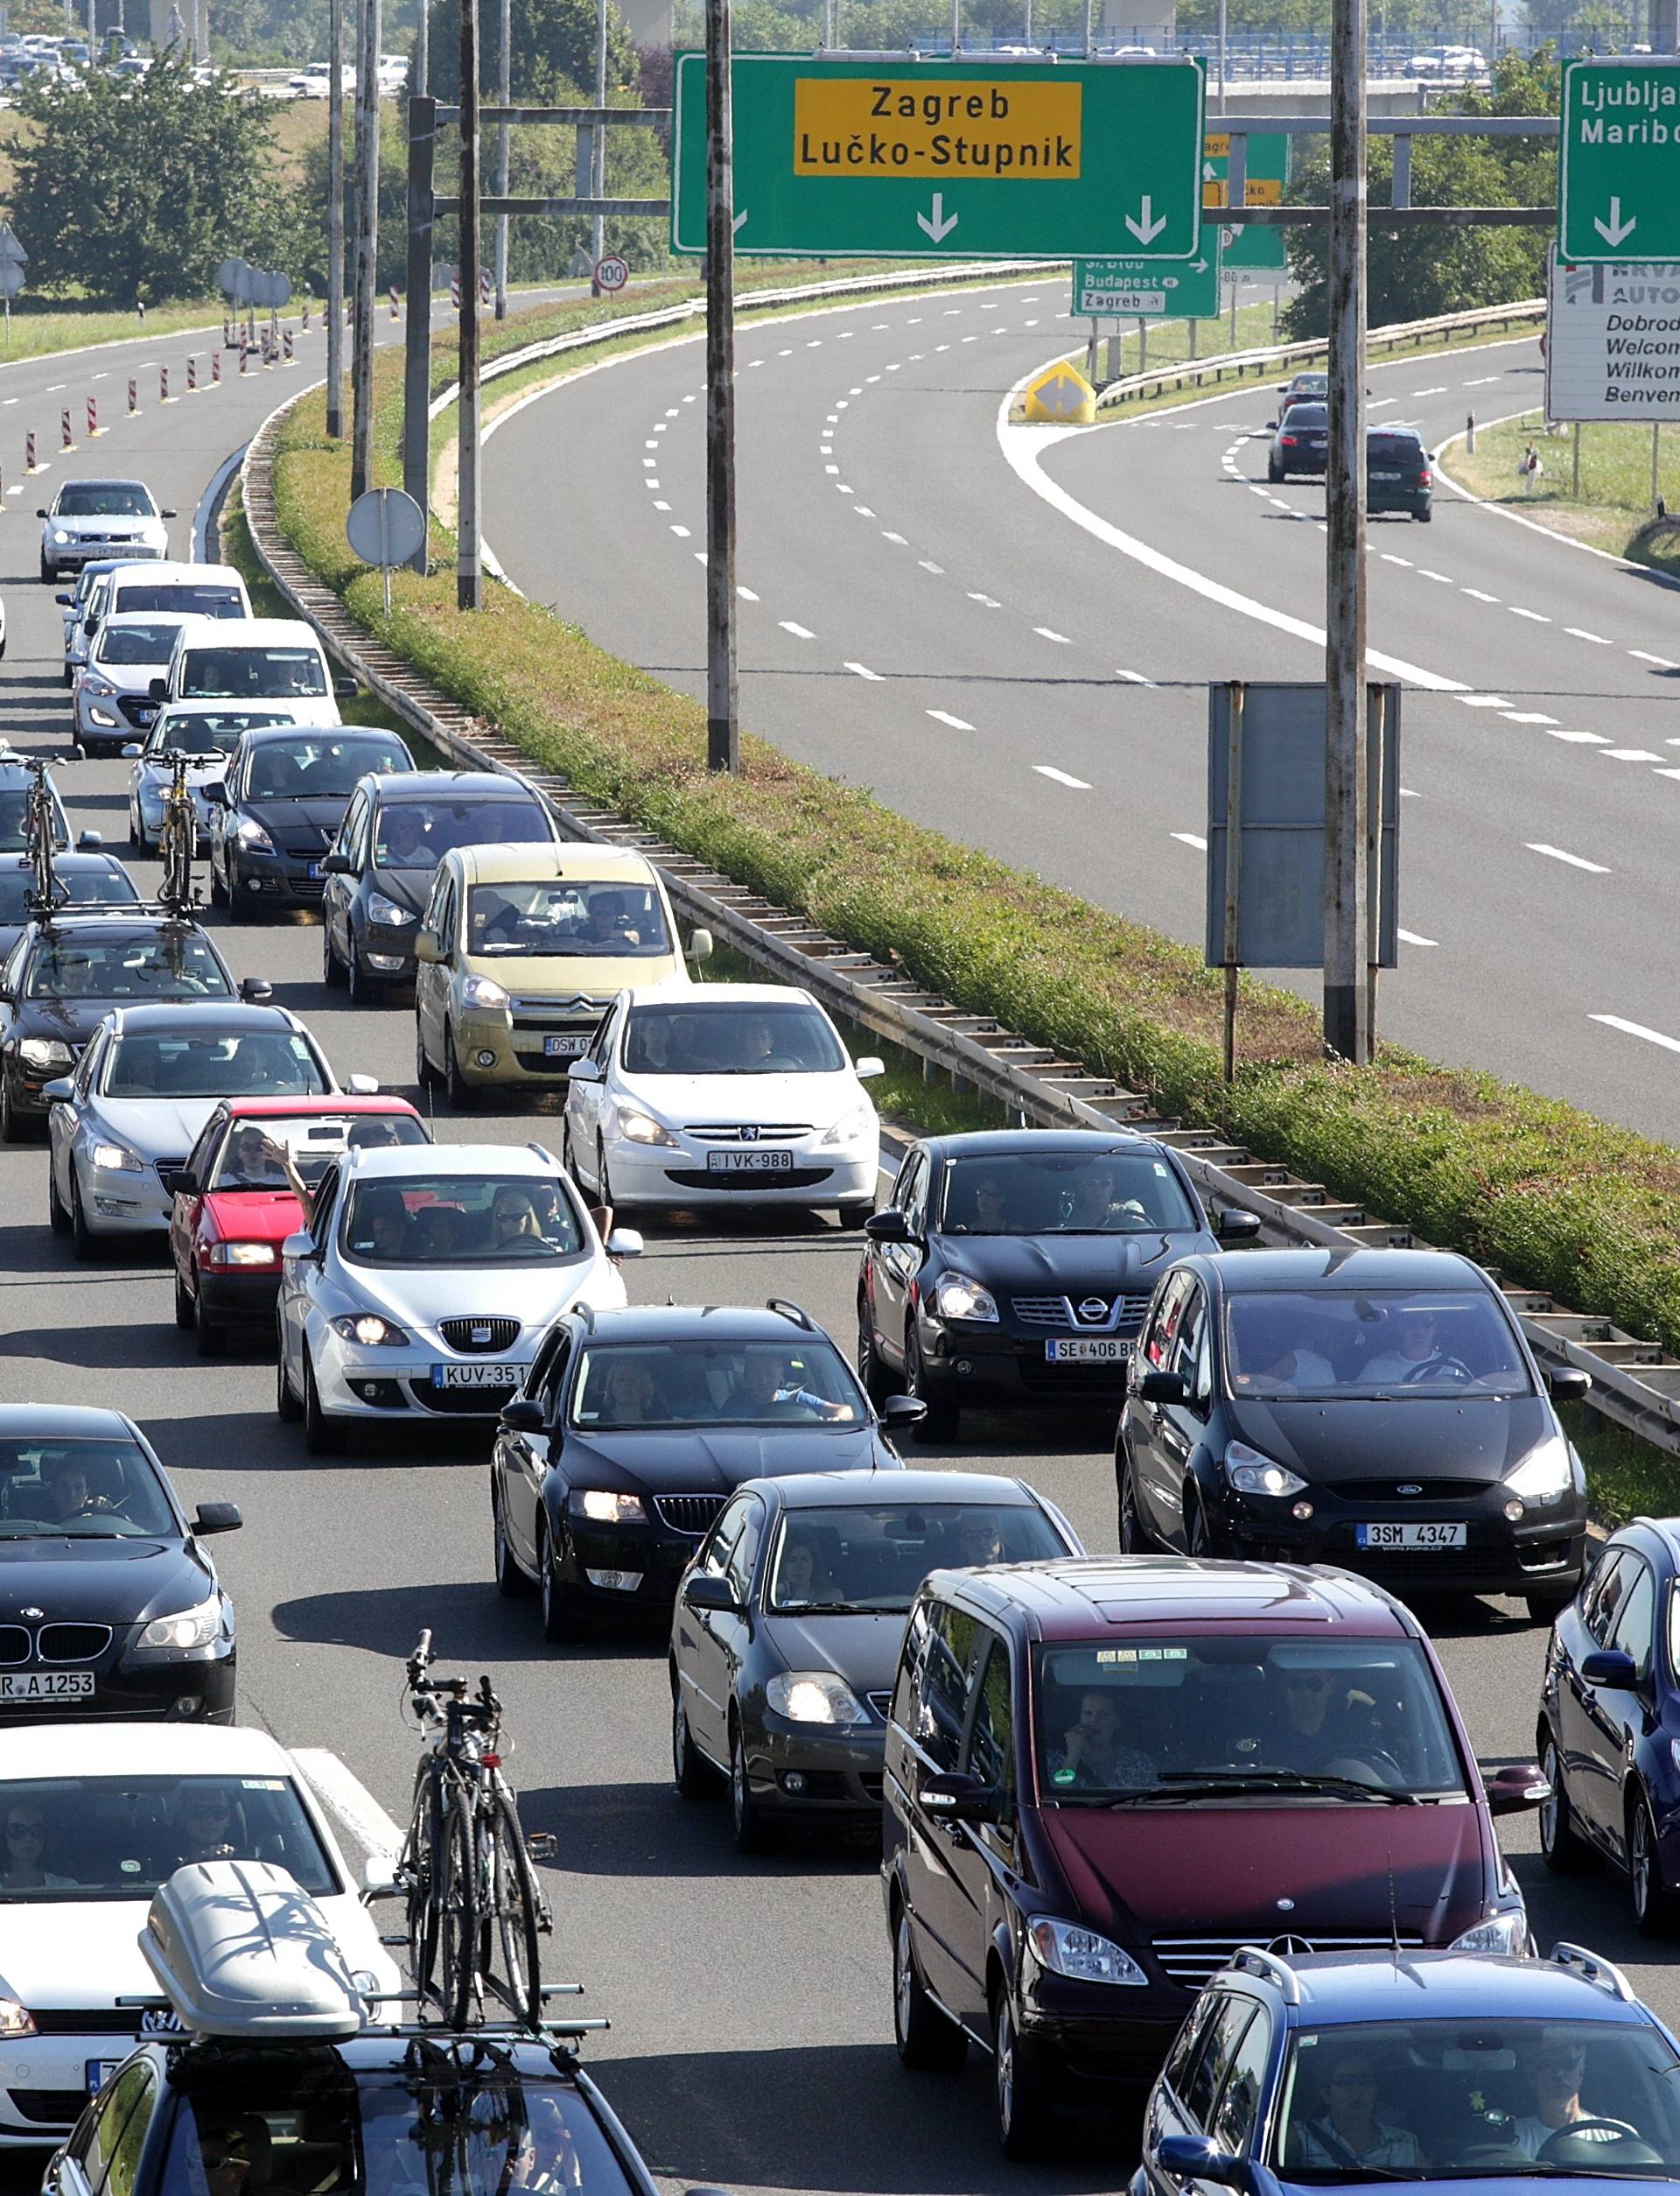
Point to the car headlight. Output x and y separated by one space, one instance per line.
813 1697
369 1330
379 909
45 1052
240 1254
1081 1955
1545 1475
1507 1932
1252 1474
604 1506
15 2020
851 1126
60 539
252 836
483 991
642 1128
191 1628
117 1158
957 1297
100 688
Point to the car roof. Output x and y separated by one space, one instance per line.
993 1143
1257 1271
394 1162
104 922
848 1490
206 1014
1081 1598
443 785
62 1421
102 481
249 632
721 1323
1366 1986
259 1109
182 568
260 735
1658 1536
121 620
733 995
527 863
131 1750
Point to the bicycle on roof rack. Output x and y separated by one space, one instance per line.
40 824
475 1913
177 840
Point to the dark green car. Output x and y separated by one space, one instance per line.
1398 476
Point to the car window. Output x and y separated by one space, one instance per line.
260 674
1061 1192
1238 2103
600 1049
1399 1344
457 1219
729 1040
106 2145
110 499
719 1544
174 1064
1635 1631
118 1837
874 1556
948 1672
433 917
1161 1333
695 1381
911 1195
552 918
1189 1357
81 1489
417 834
354 815
1603 1596
147 968
267 1151
207 599
744 1557
991 1742
135 643
1188 2043
1213 2060
317 766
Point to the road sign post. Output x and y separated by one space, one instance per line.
13 260
386 527
1619 160
970 157
611 273
1106 288
718 227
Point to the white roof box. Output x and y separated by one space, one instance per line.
240 1951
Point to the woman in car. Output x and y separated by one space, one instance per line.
20 1867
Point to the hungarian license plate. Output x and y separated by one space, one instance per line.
98 2071
46 1685
315 870
478 1376
1088 1349
749 1163
571 1045
1413 1539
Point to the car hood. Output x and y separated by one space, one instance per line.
128 679
115 526
154 777
862 1650
1257 1872
157 1128
715 1460
295 823
561 976
1070 1265
116 1581
1418 1437
417 1296
409 888
254 1216
818 1099
71 1021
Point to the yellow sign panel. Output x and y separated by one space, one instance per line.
1215 194
981 131
1216 145
1060 396
1265 190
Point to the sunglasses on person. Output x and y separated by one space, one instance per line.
17 1831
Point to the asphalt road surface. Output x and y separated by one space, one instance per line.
751 2037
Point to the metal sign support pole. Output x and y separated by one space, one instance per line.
597 144
420 73
417 362
1233 869
361 444
335 221
1657 466
1575 467
504 153
469 562
723 728
1376 740
1346 1004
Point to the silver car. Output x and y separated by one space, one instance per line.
146 1085
426 1279
206 733
101 518
113 698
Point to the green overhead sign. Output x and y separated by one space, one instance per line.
1619 160
1188 289
1251 248
969 158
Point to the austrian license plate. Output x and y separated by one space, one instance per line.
571 1046
749 1163
315 870
478 1376
1413 1539
1088 1349
98 2073
46 1685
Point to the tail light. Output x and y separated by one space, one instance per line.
1288 441
1423 478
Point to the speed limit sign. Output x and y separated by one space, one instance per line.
612 273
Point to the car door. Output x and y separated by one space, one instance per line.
586 1099
337 890
1578 1737
942 1910
1159 1498
298 1277
723 1636
106 2142
64 1120
984 1857
893 1266
698 1665
431 978
521 1460
1618 1715
1195 2099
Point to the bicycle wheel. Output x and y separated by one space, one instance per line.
419 1871
510 1955
457 1901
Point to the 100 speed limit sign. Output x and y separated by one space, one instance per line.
612 273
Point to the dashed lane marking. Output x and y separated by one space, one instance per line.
1062 777
1637 1029
1575 861
944 717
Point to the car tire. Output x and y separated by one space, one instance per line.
1021 2095
236 910
83 1241
944 1413
871 1373
692 1774
852 1216
1656 1910
746 1815
511 1582
1423 517
286 1405
331 966
49 572
426 1076
321 1437
365 988
187 1310
462 1097
1565 1851
1274 473
57 1218
136 837
208 1334
564 1618
1134 1541
927 2042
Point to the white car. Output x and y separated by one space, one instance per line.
82 608
250 662
104 1818
206 733
427 1278
101 518
112 699
733 1092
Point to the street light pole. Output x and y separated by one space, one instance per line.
597 148
361 439
504 144
469 556
335 220
723 728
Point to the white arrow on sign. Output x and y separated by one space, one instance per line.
1143 228
1615 228
1197 266
736 224
940 224
1062 397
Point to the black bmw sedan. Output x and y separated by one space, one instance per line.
109 1605
1016 1265
1377 1409
634 1427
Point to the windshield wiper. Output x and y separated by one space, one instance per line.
1197 1784
837 1608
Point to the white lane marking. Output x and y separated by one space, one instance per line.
346 1795
827 468
1047 632
1666 773
1579 633
1407 794
746 594
1638 1030
799 632
784 354
1479 594
1482 381
1630 755
927 566
1575 861
1527 717
1189 839
1439 390
649 464
1424 574
700 556
102 378
863 671
844 489
682 532
1661 662
658 506
1137 677
894 367
1484 701
1048 770
11 400
1411 937
990 602
863 510
673 413
52 388
1535 617
650 444
901 541
1577 739
944 717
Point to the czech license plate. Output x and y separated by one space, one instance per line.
749 1163
46 1685
98 2073
315 870
1413 1539
1088 1349
571 1045
478 1376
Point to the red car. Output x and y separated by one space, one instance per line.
237 1199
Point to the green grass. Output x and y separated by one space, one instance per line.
1613 505
1625 1477
39 328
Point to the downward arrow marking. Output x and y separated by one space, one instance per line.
939 225
1615 228
1142 227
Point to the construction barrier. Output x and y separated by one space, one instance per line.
486 287
93 417
216 371
30 465
396 309
67 439
164 397
191 375
455 293
305 312
287 339
226 335
244 357
134 394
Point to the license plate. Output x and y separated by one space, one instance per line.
1415 1538
478 1376
749 1163
98 2071
566 1047
315 870
46 1685
1385 476
1088 1349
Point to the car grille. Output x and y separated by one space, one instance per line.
71 1643
692 1514
751 1185
1195 1961
310 853
1454 1490
139 709
14 1645
167 1167
746 1132
562 1013
881 1702
479 1336
1120 1315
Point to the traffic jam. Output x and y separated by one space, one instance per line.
1183 1836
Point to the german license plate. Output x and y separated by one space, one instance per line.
1413 1539
98 2071
570 1046
315 870
749 1163
478 1376
46 1685
1088 1349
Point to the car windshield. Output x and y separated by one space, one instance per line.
1100 1192
256 1155
204 732
417 834
213 1063
120 1837
461 1220
14 810
1458 2098
702 1040
874 1559
276 674
630 1386
205 598
321 768
1365 1344
293 2119
110 499
81 1490
1246 1720
135 643
81 888
179 967
584 922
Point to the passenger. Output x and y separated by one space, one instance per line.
1554 2066
374 1133
20 1866
1269 1355
631 1397
1351 2132
440 1233
1092 1755
1418 1347
383 1224
514 1218
255 1163
771 1388
758 1044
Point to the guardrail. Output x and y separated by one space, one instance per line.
1635 1383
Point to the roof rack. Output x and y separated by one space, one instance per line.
788 1309
542 1151
1250 1960
1592 1966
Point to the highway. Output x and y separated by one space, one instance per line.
752 2038
1007 634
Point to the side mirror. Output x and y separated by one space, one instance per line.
57 1092
1234 1225
178 1182
1271 426
215 791
1569 1383
379 1878
90 626
158 689
67 602
336 865
1198 2157
700 945
299 1245
902 1410
1605 1665
130 750
361 1086
889 1226
1164 1387
703 1590
868 1067
90 842
345 689
1516 1788
40 510
255 989
217 1517
584 1071
625 1243
427 945
960 1798
522 1415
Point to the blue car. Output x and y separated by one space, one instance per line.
1344 2068
1610 1722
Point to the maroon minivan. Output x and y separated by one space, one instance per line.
1103 1776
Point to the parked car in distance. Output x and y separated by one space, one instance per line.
101 518
279 806
84 879
1398 476
251 661
1299 442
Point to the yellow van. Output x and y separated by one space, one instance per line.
521 949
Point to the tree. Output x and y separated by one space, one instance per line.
131 188
554 52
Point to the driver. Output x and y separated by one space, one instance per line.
1091 1202
1322 1724
1554 2066
234 2148
204 1816
772 1385
608 921
1418 1347
70 1490
402 836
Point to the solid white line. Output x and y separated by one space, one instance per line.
799 632
944 717
1045 770
863 671
349 1799
1411 937
1575 861
1579 633
1638 1030
1189 839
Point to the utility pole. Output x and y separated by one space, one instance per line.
362 443
1222 54
335 220
504 148
420 69
1346 877
723 729
598 145
469 562
417 362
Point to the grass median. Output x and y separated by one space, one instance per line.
1608 504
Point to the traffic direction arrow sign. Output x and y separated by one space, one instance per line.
1619 162
11 252
1189 291
978 157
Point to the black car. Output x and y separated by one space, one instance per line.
111 1606
394 832
1398 472
1299 440
634 1427
1015 1265
789 1620
1378 1409
84 879
279 807
63 977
